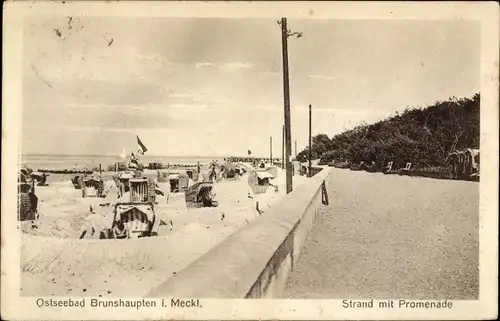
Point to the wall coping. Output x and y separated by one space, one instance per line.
230 269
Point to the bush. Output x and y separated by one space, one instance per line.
432 172
342 165
374 168
323 162
355 167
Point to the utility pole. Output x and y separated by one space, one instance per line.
285 33
295 149
271 149
286 95
283 148
310 141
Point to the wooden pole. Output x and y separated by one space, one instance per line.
286 96
295 149
310 141
283 148
271 150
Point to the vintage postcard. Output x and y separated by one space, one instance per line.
249 160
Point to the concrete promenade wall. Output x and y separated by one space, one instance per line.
316 169
255 261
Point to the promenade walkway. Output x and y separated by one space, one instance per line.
390 236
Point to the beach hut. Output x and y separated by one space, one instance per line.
142 189
240 170
464 163
259 181
27 175
233 171
77 182
134 214
173 179
230 171
457 162
297 168
41 178
162 176
122 182
23 175
92 186
132 221
192 173
135 187
273 171
178 180
155 165
471 161
201 195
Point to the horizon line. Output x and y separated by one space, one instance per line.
150 155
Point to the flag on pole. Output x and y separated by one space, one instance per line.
249 152
143 148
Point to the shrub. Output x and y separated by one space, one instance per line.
432 172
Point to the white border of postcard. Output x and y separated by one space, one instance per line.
15 307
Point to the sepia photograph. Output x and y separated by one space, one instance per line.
163 161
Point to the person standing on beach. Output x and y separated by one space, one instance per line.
27 203
134 162
213 176
24 208
43 180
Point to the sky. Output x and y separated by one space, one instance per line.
214 87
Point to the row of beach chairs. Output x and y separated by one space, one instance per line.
388 169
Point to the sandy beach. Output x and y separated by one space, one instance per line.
54 262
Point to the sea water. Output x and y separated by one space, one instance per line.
60 162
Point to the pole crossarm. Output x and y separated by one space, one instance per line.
298 34
289 32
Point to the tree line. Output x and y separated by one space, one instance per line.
422 136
